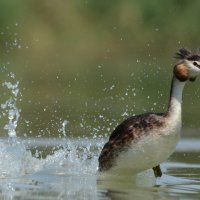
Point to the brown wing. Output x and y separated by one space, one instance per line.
124 135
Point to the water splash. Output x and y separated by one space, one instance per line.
10 107
62 130
69 169
66 155
72 156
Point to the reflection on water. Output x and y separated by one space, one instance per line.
67 169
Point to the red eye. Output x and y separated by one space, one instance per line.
195 63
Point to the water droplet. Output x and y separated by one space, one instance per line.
10 107
124 114
101 116
112 87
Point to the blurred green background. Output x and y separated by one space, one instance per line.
94 63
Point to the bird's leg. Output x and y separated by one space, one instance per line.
157 171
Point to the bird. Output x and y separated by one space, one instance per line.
144 141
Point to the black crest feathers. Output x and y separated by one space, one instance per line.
183 54
187 54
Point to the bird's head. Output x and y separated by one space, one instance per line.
188 67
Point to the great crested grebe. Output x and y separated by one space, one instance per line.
144 141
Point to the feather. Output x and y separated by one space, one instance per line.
188 55
183 53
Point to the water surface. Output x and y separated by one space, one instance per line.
67 169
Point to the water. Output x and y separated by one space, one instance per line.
70 172
10 107
66 168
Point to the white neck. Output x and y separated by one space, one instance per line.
176 97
